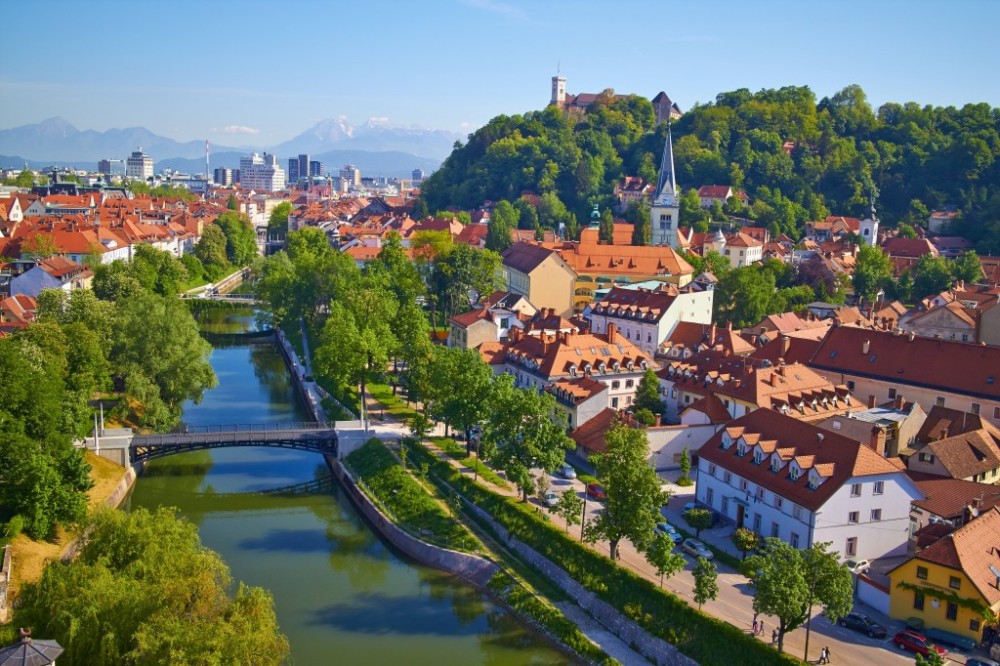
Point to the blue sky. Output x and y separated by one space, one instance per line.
255 72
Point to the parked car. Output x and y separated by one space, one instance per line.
696 548
567 472
596 491
980 661
864 624
670 531
551 499
689 506
858 566
943 637
914 642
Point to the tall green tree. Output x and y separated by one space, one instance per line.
647 394
211 250
661 556
872 271
232 203
570 508
634 490
466 384
706 581
519 434
278 220
789 582
502 222
698 519
931 276
967 268
745 540
606 229
638 214
241 238
744 296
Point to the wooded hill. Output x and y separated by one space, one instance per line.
797 159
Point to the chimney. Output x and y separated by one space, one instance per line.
944 433
865 346
786 343
871 401
612 333
712 335
900 402
877 441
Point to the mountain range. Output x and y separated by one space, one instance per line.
375 147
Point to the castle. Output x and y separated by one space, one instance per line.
663 107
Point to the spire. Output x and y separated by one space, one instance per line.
667 169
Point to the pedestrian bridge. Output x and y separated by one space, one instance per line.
336 438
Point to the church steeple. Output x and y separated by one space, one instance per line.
664 216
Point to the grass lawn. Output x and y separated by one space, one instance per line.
456 451
394 404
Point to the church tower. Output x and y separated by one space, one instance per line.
558 91
665 213
868 228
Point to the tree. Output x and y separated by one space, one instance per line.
744 296
685 468
168 599
661 556
420 427
39 246
906 231
241 238
872 271
606 229
519 434
706 581
570 508
502 222
788 582
278 221
638 214
232 203
932 658
647 394
931 276
698 519
745 540
466 383
634 490
211 250
967 268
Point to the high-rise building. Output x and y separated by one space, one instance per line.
261 173
104 166
418 174
298 168
350 175
139 166
223 176
315 169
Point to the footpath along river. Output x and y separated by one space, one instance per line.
341 594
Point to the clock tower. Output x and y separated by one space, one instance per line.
665 213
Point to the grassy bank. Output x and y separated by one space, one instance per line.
702 637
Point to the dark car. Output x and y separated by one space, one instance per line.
979 661
595 491
864 624
914 642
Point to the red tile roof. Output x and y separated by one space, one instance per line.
972 549
949 498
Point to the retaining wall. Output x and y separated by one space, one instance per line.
655 649
471 568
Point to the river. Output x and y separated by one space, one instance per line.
341 594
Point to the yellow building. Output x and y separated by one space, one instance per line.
540 275
954 584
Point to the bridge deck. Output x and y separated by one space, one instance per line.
318 437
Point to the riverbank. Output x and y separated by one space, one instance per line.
28 557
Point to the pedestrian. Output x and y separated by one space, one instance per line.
754 625
774 637
761 628
826 655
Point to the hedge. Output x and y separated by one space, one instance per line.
702 637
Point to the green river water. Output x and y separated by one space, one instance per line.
341 594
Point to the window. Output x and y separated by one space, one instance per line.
892 394
616 384
709 496
794 540
855 490
774 530
756 522
940 401
796 511
629 383
793 472
879 488
725 505
955 583
996 412
918 600
850 385
743 484
851 549
876 515
975 408
973 624
852 517
711 469
614 403
925 457
778 502
758 456
727 477
922 573
952 612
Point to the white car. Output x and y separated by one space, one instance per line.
857 566
696 548
551 499
567 472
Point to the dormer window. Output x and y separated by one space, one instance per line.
758 456
727 441
643 364
793 472
775 464
572 370
741 448
813 481
603 367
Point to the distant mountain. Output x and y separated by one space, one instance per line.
375 147
375 135
55 140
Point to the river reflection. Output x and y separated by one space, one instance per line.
341 595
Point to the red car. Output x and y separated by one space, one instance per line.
595 491
914 642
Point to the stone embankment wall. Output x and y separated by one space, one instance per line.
655 649
472 568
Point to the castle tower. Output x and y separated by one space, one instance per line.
558 90
664 217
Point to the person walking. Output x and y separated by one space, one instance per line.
754 625
826 655
774 637
761 628
823 659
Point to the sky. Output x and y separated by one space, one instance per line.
261 72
